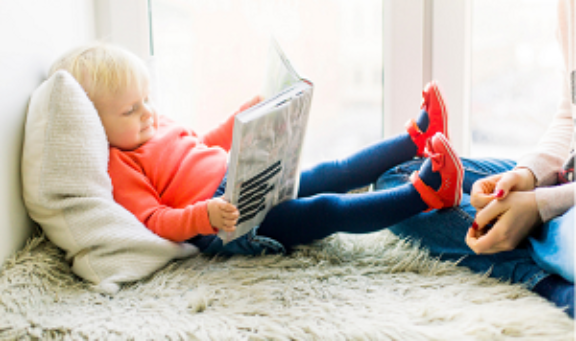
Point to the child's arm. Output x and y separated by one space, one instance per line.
222 135
133 190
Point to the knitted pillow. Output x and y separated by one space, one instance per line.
68 192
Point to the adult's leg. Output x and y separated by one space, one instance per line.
552 245
443 232
476 169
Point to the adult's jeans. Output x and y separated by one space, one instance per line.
443 232
552 246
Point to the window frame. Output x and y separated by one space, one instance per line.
426 40
125 23
451 60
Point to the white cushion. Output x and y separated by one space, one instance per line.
67 190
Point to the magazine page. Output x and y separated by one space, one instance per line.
265 158
263 168
280 74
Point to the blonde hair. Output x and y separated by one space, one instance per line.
104 69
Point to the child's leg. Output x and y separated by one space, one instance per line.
304 220
358 170
365 166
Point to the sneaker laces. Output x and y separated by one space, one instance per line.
437 159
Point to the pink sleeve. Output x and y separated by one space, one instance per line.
554 201
554 147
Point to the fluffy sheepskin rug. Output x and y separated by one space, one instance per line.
369 287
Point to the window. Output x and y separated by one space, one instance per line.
210 58
499 73
515 75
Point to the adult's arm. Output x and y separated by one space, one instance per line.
554 147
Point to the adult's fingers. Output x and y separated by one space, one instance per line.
501 237
508 181
472 239
478 199
483 237
521 179
482 191
490 213
488 243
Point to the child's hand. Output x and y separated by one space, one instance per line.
251 103
222 215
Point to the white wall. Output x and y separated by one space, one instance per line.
33 33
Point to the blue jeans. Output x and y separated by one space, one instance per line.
552 246
250 244
443 232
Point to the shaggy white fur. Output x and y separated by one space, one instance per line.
369 287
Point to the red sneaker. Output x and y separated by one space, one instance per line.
433 104
446 161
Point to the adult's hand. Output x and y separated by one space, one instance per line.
513 218
500 185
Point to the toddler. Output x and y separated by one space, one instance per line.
173 179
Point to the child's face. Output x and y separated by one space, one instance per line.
128 118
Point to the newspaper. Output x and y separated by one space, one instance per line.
264 166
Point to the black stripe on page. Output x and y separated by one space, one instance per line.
257 196
251 215
264 174
247 195
260 182
251 207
